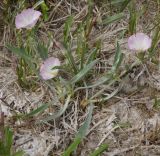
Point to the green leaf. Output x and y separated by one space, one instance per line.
124 4
42 51
133 18
115 2
155 41
81 134
132 22
6 144
72 147
113 18
84 128
110 75
117 59
21 52
92 56
2 149
38 3
100 150
8 139
82 45
45 9
67 28
60 112
101 91
66 34
83 72
88 20
105 98
38 110
156 103
94 53
71 61
104 79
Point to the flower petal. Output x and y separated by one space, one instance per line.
46 70
27 18
139 42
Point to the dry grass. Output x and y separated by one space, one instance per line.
128 122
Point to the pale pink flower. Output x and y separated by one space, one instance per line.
27 18
139 42
46 70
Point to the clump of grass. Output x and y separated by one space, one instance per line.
79 63
78 69
6 144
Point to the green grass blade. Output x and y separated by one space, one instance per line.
45 9
105 98
92 56
117 59
133 18
61 111
21 52
72 147
2 149
89 19
6 144
100 150
38 3
42 51
84 128
83 72
67 29
82 45
110 75
94 53
71 60
81 134
8 140
132 22
38 110
103 89
104 79
113 18
155 42
115 2
66 39
124 4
